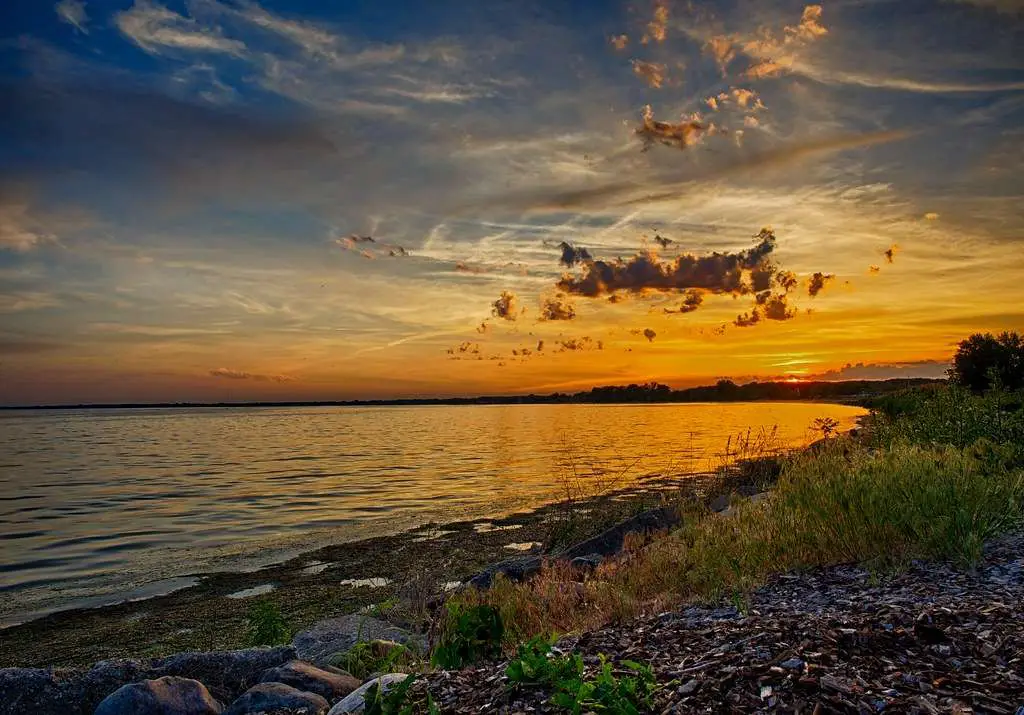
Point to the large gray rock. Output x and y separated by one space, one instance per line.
77 691
517 568
64 691
319 642
330 685
356 702
227 673
610 541
277 699
164 696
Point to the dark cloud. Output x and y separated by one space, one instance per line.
540 345
464 348
874 269
361 239
19 346
556 309
584 343
397 251
777 308
505 307
692 299
662 241
747 320
229 374
890 253
571 255
682 135
650 335
714 273
787 280
817 282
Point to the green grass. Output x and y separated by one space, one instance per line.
844 503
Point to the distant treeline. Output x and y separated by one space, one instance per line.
722 391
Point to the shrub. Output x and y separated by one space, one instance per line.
266 625
469 633
398 700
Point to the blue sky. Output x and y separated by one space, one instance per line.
184 185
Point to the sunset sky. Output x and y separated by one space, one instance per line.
188 192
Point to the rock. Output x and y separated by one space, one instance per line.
164 696
689 687
304 676
610 541
277 699
65 691
517 568
318 643
77 691
355 702
229 673
792 664
586 563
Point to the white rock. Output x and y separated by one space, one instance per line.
355 702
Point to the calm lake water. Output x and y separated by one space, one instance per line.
98 506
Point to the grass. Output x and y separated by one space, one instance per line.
939 473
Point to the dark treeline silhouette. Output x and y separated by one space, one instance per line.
651 392
984 361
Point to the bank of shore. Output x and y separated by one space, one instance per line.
330 581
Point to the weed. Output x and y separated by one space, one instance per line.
266 625
470 633
397 700
572 690
368 657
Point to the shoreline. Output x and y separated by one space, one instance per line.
327 581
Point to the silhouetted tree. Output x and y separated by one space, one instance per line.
983 358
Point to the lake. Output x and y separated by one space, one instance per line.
98 506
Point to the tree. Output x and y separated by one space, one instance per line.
983 359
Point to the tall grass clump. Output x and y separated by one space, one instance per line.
843 503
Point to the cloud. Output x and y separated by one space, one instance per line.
715 273
777 308
506 306
465 348
787 280
19 230
931 216
73 13
27 346
662 241
874 269
619 42
656 28
571 255
748 320
774 53
817 282
890 253
721 48
19 301
229 374
884 371
692 300
650 335
652 73
556 309
1007 7
574 344
682 135
153 28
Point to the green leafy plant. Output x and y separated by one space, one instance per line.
469 634
397 700
624 693
266 625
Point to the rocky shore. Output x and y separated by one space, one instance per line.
932 639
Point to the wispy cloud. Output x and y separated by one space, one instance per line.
73 13
155 28
229 374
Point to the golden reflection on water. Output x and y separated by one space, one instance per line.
93 502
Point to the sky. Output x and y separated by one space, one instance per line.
238 200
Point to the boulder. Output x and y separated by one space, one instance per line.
277 699
164 696
586 564
228 673
610 541
318 643
77 691
327 684
65 691
356 703
517 568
